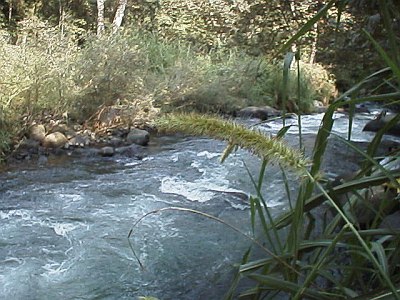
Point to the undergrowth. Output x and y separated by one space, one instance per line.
47 73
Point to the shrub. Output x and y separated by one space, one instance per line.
47 73
230 81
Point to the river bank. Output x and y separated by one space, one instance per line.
58 141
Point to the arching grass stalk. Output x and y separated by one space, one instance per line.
265 147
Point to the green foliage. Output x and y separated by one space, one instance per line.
46 72
316 84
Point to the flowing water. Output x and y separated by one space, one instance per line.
64 224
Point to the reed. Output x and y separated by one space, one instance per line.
330 255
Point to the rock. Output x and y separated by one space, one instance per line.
362 108
63 128
79 141
378 199
116 141
261 113
319 107
391 221
107 151
42 160
138 137
55 140
26 149
135 151
378 123
37 132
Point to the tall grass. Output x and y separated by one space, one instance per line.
332 243
46 72
344 255
345 258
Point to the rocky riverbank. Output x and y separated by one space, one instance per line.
111 135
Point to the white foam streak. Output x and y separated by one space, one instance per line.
208 155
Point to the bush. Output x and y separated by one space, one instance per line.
230 81
46 73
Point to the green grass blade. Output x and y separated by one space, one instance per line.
299 100
358 86
306 27
273 282
351 118
287 188
381 255
281 133
386 295
287 62
259 208
370 160
230 294
374 144
367 250
346 187
388 22
253 208
321 140
318 265
390 62
261 263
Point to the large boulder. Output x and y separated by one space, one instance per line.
55 140
261 113
378 123
37 132
138 137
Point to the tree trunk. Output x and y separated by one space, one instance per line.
61 19
100 17
119 15
314 44
10 10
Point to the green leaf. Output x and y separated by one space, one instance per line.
381 255
272 282
390 62
229 295
306 27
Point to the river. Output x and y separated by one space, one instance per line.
64 224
